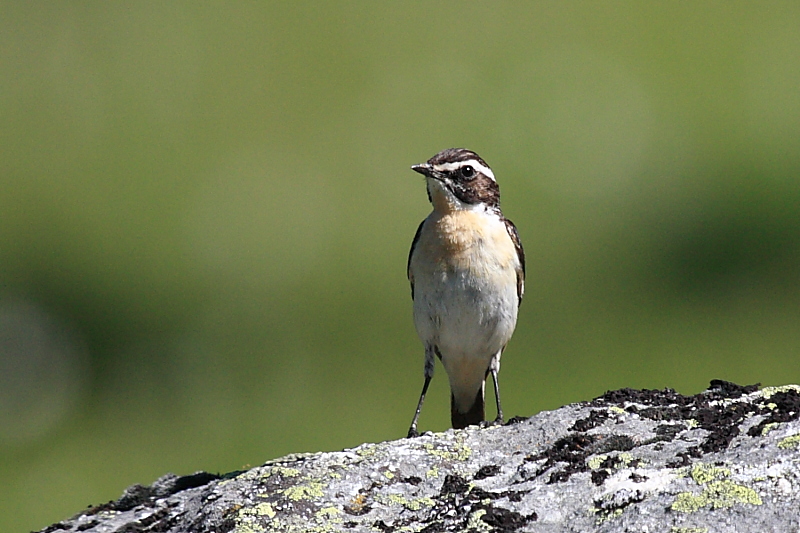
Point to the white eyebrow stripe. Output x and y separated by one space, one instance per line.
483 169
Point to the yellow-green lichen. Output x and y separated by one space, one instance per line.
767 392
329 514
262 509
625 458
692 423
474 522
604 515
247 518
412 505
683 471
367 450
792 441
281 471
396 499
249 527
717 495
768 427
702 473
311 490
676 529
594 462
426 502
433 472
459 452
326 528
616 513
617 410
388 475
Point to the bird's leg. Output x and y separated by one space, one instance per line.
429 366
499 419
412 431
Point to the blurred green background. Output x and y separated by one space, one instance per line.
206 211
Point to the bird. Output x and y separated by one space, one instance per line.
466 268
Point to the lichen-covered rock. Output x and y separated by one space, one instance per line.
725 460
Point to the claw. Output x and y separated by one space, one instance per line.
487 424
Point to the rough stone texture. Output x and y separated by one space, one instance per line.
724 460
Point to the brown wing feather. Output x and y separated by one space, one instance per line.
411 253
512 232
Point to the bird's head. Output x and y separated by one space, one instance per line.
458 179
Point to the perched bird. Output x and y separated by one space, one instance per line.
467 272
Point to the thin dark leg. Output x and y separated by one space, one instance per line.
412 431
499 419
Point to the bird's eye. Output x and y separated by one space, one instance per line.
467 171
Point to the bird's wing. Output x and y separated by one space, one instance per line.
512 232
410 254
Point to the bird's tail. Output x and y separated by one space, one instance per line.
474 414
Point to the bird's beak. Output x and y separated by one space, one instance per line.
423 168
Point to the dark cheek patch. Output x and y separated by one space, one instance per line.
481 189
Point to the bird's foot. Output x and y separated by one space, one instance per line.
488 424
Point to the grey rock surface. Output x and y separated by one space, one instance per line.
725 460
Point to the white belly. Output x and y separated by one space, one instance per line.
465 303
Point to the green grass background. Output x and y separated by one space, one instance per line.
206 209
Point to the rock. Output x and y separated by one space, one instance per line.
724 460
